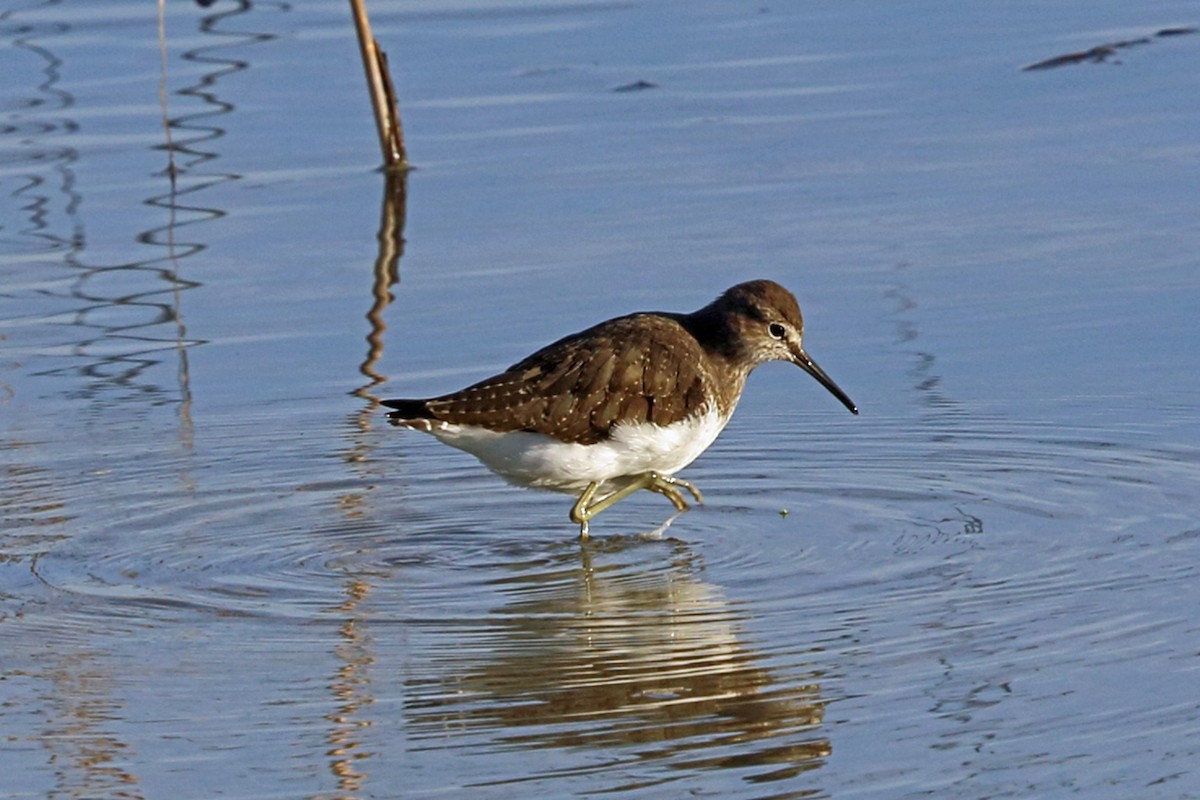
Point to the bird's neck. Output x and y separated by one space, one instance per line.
715 333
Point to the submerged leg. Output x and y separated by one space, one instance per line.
584 509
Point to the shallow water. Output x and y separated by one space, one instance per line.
222 574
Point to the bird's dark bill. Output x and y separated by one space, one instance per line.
808 365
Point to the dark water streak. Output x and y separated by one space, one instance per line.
1102 53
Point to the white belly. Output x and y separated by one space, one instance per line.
533 459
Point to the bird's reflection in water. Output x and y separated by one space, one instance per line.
618 646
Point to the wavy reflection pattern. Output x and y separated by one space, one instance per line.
122 319
650 665
104 325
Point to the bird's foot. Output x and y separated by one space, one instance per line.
666 486
671 493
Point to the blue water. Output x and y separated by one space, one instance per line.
222 574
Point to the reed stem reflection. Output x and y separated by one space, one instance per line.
350 687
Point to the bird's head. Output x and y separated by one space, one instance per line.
762 322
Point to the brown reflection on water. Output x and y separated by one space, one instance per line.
350 687
653 663
75 696
32 510
386 274
392 215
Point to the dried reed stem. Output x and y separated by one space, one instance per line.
383 93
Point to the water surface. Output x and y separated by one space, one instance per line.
222 574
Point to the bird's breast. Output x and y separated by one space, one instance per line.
667 448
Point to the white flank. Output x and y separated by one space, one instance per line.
534 459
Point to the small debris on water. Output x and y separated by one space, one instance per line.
636 86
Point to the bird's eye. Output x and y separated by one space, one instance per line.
777 330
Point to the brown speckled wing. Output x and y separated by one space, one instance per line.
641 367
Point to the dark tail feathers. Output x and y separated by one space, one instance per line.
406 409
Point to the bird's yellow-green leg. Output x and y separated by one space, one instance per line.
580 513
584 509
